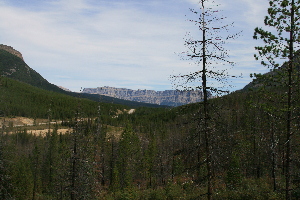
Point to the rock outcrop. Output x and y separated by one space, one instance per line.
11 50
167 97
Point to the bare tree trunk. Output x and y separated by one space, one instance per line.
289 108
73 191
206 117
273 149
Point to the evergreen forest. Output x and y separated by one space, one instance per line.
153 153
241 145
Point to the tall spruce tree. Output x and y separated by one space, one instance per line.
129 156
282 42
82 176
5 186
211 78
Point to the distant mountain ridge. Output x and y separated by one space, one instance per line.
167 97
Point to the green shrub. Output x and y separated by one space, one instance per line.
158 194
173 191
250 189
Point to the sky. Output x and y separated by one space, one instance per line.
126 44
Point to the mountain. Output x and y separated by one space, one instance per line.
167 97
12 65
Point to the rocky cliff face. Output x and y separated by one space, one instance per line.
11 50
167 97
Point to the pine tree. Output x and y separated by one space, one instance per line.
82 172
129 155
150 160
5 185
281 43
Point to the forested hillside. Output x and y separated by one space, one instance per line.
20 99
155 155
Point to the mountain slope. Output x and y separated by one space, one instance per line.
13 66
21 99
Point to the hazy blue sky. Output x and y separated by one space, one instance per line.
132 44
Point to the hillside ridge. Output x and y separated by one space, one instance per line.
11 50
